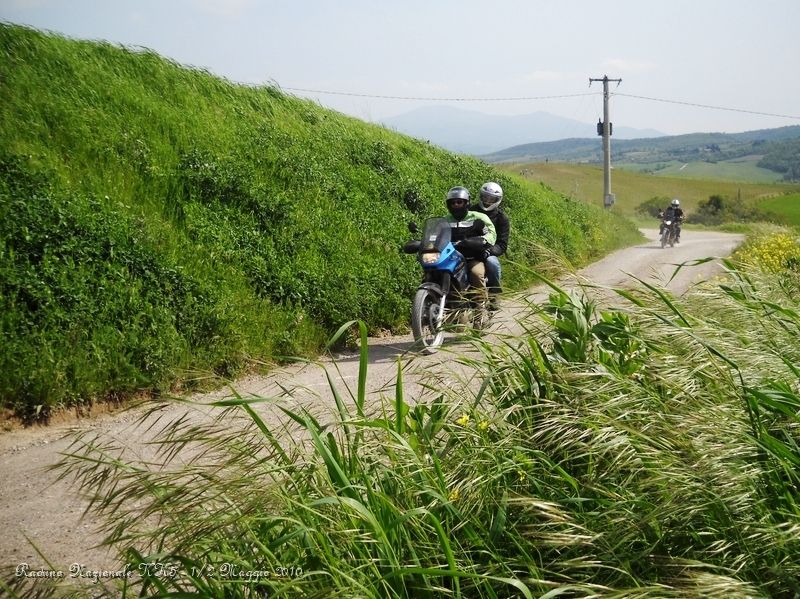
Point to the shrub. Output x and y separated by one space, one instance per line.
652 206
720 209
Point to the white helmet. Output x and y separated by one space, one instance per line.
676 202
490 197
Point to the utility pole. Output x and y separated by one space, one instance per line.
604 129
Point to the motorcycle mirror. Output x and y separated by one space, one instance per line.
412 226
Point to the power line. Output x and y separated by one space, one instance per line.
785 116
431 99
529 98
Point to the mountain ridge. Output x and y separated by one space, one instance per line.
477 133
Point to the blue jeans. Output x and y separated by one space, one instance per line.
493 272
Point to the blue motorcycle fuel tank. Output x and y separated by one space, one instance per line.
448 259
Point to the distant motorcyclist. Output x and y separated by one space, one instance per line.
465 224
489 200
673 212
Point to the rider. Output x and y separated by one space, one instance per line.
491 196
673 212
465 223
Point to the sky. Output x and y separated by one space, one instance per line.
676 59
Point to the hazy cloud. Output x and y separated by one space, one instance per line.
547 76
137 18
400 49
223 8
425 88
621 65
25 4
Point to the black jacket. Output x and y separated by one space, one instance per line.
502 227
673 213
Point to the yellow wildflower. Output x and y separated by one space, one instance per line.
771 253
484 424
463 421
454 495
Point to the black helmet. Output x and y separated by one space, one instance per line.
458 202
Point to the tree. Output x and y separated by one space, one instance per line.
652 206
783 157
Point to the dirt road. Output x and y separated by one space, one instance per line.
35 505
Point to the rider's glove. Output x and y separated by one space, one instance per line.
486 254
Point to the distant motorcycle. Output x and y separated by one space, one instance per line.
441 297
669 232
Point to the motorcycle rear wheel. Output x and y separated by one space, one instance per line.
427 320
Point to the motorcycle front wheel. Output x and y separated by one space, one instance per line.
427 319
664 238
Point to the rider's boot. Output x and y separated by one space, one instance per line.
479 319
494 302
480 312
480 304
478 294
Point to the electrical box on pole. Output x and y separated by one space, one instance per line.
600 127
604 128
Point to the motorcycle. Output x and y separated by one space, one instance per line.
442 296
669 232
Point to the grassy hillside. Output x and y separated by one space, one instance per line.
771 154
785 209
157 221
585 183
744 169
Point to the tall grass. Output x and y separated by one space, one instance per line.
646 451
159 222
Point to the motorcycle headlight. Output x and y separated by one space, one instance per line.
668 222
431 258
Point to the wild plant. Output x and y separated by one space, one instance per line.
650 452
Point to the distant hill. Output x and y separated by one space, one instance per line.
774 149
473 132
